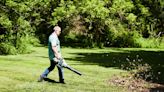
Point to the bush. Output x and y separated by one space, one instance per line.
19 46
22 45
151 42
33 41
7 48
125 39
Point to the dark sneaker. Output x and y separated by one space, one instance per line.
62 81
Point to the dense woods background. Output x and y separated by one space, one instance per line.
85 23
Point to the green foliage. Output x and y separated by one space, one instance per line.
22 45
7 48
65 10
126 39
16 27
150 42
90 23
103 20
5 22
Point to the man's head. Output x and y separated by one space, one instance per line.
57 30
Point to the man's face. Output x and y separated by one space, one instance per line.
58 31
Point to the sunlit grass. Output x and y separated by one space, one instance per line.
19 73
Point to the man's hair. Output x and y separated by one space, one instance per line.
56 27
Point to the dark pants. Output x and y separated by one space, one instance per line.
51 67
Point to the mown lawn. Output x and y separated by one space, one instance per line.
19 73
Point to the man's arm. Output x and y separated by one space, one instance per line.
55 50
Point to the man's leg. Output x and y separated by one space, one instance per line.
61 74
47 71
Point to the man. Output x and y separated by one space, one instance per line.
54 55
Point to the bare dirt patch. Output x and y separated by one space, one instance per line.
135 84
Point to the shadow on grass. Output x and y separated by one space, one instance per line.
157 89
50 80
128 60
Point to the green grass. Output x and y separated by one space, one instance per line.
19 73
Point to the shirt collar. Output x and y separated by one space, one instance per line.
55 34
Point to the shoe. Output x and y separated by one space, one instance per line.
62 81
41 78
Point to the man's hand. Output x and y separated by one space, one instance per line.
58 56
64 63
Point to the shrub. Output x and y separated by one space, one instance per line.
7 48
151 42
125 39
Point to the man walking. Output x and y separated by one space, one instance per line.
54 55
